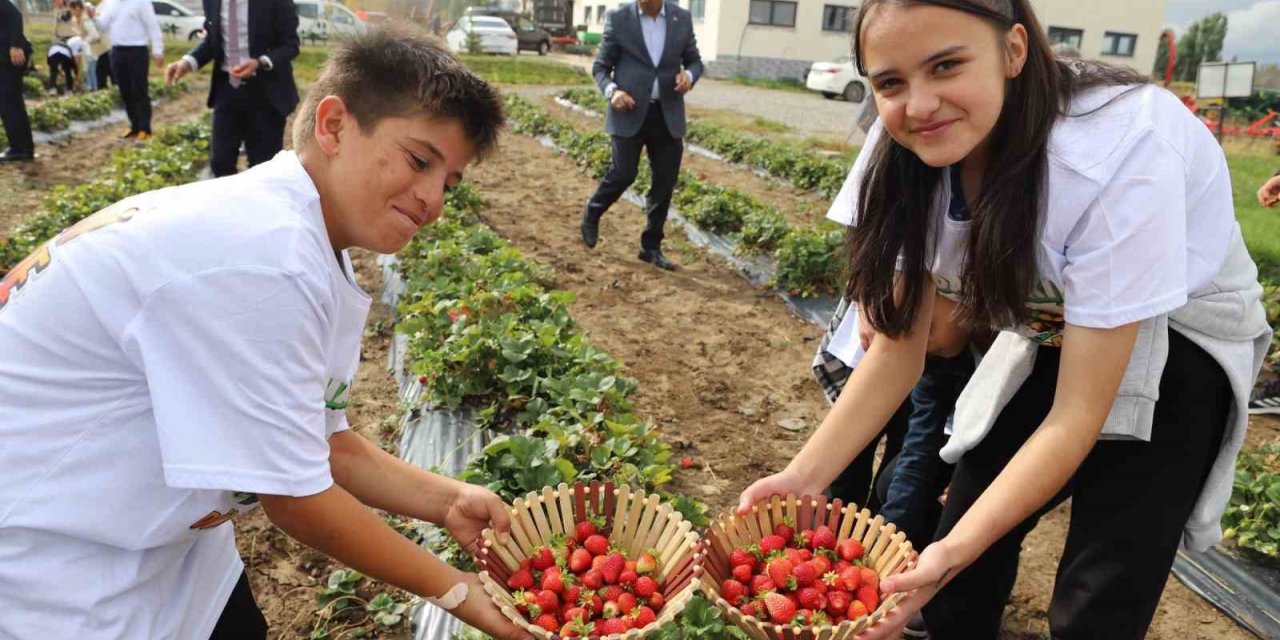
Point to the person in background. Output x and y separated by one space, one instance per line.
15 50
89 35
62 60
252 46
131 25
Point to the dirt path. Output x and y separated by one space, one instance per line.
78 158
720 364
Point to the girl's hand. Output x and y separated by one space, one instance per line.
782 483
1269 194
472 510
931 571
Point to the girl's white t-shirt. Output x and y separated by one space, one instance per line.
164 361
1138 216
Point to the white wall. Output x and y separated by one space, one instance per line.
805 41
1145 18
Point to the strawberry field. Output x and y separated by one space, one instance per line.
580 366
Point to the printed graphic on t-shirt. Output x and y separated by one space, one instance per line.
337 394
25 272
1047 322
214 519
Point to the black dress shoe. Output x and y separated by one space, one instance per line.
12 156
655 258
590 230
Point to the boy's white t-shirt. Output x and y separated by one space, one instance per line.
163 362
1139 216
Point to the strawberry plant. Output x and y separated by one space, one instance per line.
810 261
700 620
1252 518
343 613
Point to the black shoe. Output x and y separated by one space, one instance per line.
655 258
1265 398
590 230
13 156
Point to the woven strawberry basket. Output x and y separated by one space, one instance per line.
883 549
634 523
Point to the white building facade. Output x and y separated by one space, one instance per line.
781 38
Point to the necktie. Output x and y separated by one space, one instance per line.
233 38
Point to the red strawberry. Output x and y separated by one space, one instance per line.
575 614
656 601
733 591
821 586
628 577
630 566
857 609
579 561
593 579
761 584
785 529
804 574
610 610
805 539
644 616
850 550
597 544
851 579
612 568
548 600
869 597
548 621
821 564
585 530
542 559
572 593
614 625
422 379
742 558
742 573
552 580
646 564
611 593
779 572
686 462
824 538
646 586
781 609
810 598
521 580
772 544
796 556
838 602
627 603
752 608
591 602
870 578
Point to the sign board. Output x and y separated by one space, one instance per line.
1225 80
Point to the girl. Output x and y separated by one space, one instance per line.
1096 229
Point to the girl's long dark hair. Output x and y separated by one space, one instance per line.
897 194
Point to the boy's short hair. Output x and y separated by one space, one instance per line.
397 70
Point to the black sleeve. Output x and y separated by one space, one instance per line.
11 21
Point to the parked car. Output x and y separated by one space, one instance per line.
177 20
323 19
494 35
837 78
530 36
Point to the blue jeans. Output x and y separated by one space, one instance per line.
919 476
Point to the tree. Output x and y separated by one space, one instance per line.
1162 56
1201 43
1213 31
1188 53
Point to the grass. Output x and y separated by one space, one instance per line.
524 69
1261 226
785 84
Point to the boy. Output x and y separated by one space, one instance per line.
185 354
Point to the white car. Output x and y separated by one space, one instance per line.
178 21
493 35
321 19
837 78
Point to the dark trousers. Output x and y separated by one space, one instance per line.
13 111
855 482
241 619
103 69
243 114
64 64
918 475
1129 503
665 153
129 69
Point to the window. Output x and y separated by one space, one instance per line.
698 8
837 18
777 13
1119 44
1060 35
600 11
586 14
308 10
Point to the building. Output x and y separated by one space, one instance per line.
781 38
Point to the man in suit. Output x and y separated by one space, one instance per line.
14 52
639 70
252 44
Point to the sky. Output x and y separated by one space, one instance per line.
1253 26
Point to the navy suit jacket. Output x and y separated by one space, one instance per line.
273 32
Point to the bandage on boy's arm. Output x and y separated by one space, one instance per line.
336 524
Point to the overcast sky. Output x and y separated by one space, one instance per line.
1253 26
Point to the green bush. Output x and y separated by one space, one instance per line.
1252 518
32 86
810 261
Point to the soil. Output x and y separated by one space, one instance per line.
721 364
78 158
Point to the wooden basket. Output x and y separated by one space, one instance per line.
887 551
635 522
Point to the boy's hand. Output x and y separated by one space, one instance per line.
479 611
473 509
